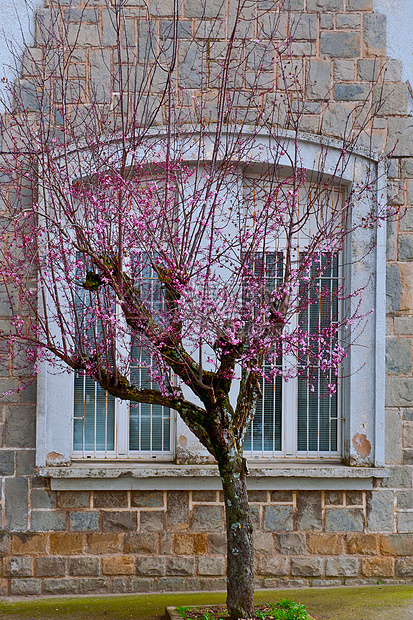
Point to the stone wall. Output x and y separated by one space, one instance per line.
67 542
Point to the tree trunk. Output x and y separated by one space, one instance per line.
240 548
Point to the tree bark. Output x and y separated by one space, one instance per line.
240 547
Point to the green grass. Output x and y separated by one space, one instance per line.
370 603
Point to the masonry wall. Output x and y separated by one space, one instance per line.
138 541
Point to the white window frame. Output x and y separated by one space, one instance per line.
363 386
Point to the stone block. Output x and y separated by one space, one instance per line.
334 120
405 500
344 69
406 166
23 587
340 44
342 567
380 511
324 5
318 79
291 543
403 325
217 543
66 544
44 521
118 521
171 584
190 544
344 520
399 353
17 567
263 543
333 498
392 99
393 440
98 585
405 248
103 543
110 499
400 477
272 566
257 497
25 462
396 544
151 567
374 34
327 21
120 585
404 567
346 21
6 462
147 499
60 586
74 499
84 567
211 566
43 499
141 544
153 521
405 521
208 518
183 29
20 426
28 544
354 498
16 503
140 584
118 565
282 497
180 566
309 510
4 543
362 544
399 391
278 518
177 510
325 544
82 521
377 567
49 567
351 92
306 567
165 543
407 435
359 5
304 27
203 9
400 136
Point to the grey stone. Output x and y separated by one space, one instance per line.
406 167
393 71
344 20
217 543
272 566
405 521
74 499
211 566
409 196
110 499
393 288
263 543
139 584
374 32
90 16
344 69
16 503
392 99
44 521
359 5
203 8
25 462
180 566
408 415
306 567
404 567
324 5
84 567
165 543
50 567
318 79
147 499
400 137
60 586
118 521
340 44
293 543
120 585
94 584
43 499
177 509
152 567
282 497
171 584
399 353
140 543
351 92
4 543
335 120
405 247
392 168
25 586
399 477
206 583
354 498
84 521
278 518
399 391
395 193
405 500
309 510
208 518
153 521
6 462
190 65
393 444
17 567
305 27
344 520
342 567
20 426
380 511
397 544
333 498
327 21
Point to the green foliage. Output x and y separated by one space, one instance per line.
283 610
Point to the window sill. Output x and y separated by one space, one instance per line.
263 476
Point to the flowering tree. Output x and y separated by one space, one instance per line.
162 209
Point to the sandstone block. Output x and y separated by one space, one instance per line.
66 544
104 543
344 69
404 567
217 543
263 543
309 510
396 544
362 544
272 566
30 544
374 32
118 565
291 543
325 544
140 543
377 567
153 521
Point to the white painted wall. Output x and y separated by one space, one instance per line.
399 15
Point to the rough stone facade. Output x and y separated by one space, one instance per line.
65 542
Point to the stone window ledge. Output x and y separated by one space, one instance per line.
108 476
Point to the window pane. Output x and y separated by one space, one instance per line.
94 416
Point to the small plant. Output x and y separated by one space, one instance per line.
283 610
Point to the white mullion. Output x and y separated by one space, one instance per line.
95 426
84 415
